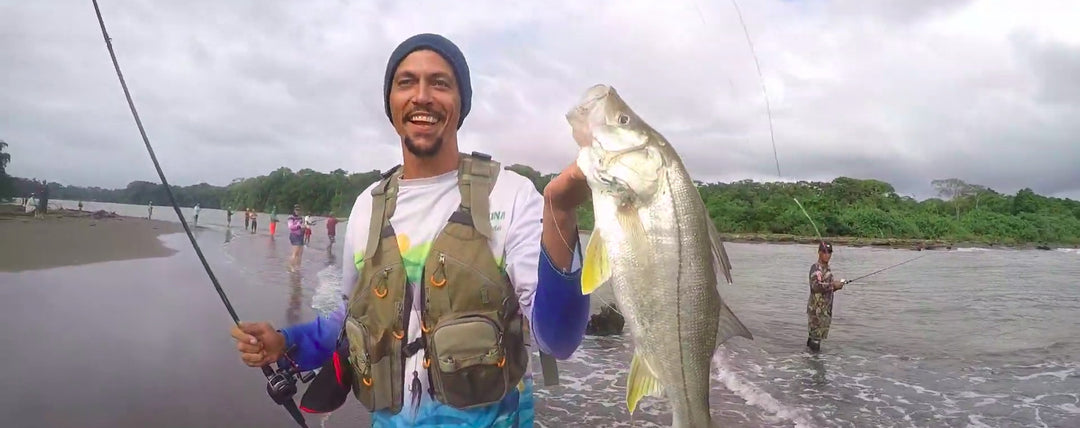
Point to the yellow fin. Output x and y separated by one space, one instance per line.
642 382
595 271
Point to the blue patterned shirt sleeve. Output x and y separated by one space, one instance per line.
314 340
560 310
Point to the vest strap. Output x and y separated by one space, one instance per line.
383 203
476 177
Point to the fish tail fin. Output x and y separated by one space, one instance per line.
730 326
641 382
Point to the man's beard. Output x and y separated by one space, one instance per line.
421 152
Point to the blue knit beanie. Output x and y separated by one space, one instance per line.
445 48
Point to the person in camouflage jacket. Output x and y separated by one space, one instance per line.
819 306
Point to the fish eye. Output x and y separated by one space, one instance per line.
624 119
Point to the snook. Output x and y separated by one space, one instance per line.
656 245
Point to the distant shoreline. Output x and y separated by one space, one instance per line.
893 243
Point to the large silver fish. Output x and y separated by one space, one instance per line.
655 244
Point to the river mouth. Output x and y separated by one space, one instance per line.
952 339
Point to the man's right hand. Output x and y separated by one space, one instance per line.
259 343
837 285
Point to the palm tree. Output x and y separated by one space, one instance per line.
5 182
5 158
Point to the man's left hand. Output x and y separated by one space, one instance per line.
567 190
562 196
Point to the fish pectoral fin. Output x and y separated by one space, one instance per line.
730 326
595 270
641 382
719 253
630 223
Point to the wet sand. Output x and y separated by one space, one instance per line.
143 342
71 238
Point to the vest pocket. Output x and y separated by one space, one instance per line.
373 369
469 367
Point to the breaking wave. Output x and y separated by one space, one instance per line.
755 396
327 297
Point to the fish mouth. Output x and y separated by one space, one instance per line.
579 115
592 96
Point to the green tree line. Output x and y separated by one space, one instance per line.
849 207
844 207
318 193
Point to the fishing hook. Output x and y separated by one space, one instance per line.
281 384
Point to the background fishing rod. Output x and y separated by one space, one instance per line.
281 384
885 269
768 108
775 157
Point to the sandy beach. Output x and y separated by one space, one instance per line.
69 238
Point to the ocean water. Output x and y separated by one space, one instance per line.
961 338
957 338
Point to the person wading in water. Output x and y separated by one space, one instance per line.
296 238
819 306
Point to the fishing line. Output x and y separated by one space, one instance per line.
278 386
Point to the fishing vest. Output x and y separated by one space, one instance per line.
472 330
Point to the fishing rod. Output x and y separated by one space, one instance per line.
768 109
885 269
772 135
280 383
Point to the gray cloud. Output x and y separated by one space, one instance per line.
905 92
1056 65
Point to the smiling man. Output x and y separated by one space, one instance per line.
452 272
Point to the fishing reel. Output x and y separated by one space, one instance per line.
281 384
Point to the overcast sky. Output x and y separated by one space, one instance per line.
906 92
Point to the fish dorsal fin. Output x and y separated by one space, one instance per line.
719 253
595 270
641 382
